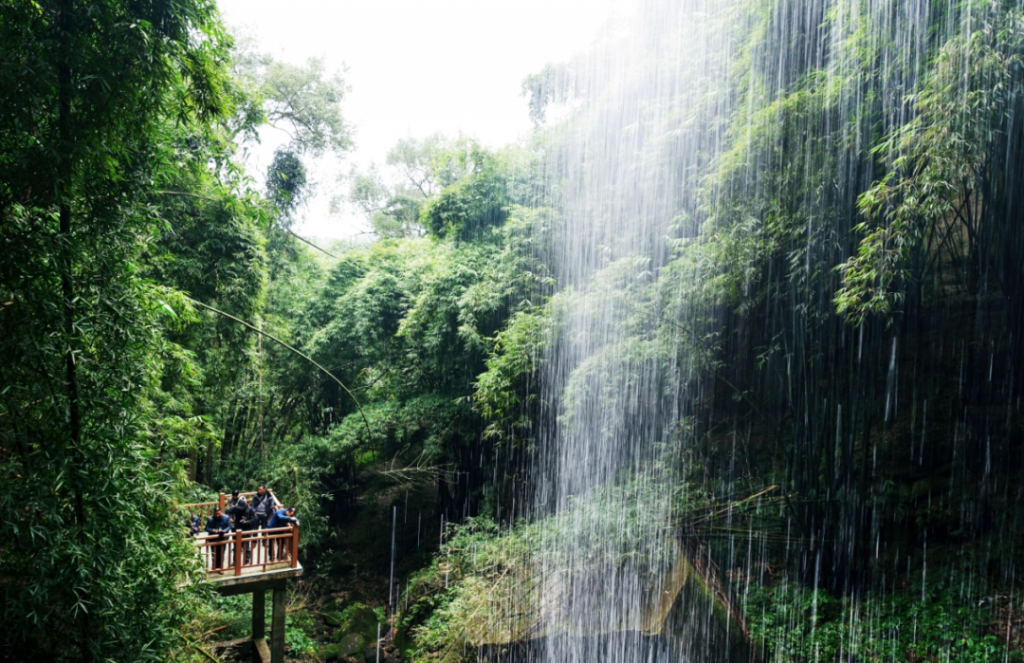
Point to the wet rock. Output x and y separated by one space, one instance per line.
351 643
361 619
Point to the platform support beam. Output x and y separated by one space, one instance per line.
259 610
277 626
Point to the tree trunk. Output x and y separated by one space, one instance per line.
65 171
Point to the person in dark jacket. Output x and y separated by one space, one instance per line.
233 500
194 525
245 520
218 526
263 503
237 510
281 518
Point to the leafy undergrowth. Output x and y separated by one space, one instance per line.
484 585
229 618
796 625
954 616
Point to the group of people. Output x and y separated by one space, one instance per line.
259 512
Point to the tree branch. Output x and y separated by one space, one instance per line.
303 239
293 349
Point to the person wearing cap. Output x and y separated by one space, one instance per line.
238 509
244 518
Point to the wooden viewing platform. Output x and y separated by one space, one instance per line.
249 553
252 561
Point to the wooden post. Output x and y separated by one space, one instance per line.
277 627
222 502
259 620
238 552
295 546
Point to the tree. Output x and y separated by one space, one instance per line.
92 558
393 211
475 194
416 170
304 102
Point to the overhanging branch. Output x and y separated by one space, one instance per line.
294 350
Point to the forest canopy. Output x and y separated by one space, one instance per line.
741 317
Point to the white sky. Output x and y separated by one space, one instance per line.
416 68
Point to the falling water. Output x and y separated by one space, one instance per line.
669 141
619 381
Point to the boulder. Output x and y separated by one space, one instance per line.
330 653
350 643
360 618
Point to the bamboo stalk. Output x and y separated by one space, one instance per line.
293 349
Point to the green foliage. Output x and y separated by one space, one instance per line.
93 559
301 100
552 84
393 211
407 325
503 392
415 315
951 174
286 182
798 624
484 585
416 170
474 202
423 163
298 642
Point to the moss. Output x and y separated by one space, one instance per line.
360 619
350 644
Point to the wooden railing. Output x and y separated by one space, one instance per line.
204 510
236 551
259 549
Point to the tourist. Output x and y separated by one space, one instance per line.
237 510
194 525
233 500
263 503
245 520
218 527
284 516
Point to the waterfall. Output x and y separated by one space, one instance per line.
623 376
667 145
